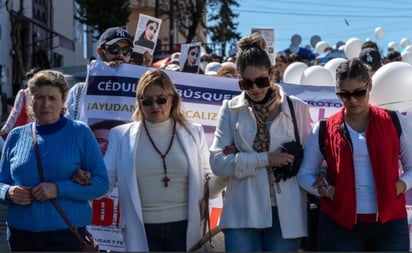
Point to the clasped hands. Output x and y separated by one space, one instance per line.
24 195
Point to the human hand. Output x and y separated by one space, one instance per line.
114 63
278 160
230 149
20 195
320 180
328 192
400 187
81 177
44 191
147 59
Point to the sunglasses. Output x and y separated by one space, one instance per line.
261 82
115 49
346 95
150 102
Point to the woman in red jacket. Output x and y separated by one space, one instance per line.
362 202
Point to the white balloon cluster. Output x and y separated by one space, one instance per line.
300 73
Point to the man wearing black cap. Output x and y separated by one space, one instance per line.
372 59
115 46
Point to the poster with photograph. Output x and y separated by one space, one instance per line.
190 57
146 34
269 35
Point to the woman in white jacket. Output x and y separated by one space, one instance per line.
259 214
159 162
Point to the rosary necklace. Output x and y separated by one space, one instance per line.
163 156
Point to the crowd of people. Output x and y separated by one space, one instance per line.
160 161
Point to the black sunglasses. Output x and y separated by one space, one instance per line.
261 82
346 95
150 102
115 50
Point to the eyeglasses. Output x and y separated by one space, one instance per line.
357 94
261 82
150 101
115 50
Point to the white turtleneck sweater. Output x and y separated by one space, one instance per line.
162 204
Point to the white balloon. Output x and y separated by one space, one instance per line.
342 48
405 42
408 48
320 47
332 65
379 33
316 75
293 72
352 48
393 45
391 86
407 57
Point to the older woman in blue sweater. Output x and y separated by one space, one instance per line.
65 146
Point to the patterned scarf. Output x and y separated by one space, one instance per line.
262 110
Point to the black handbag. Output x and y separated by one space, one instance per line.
87 244
294 148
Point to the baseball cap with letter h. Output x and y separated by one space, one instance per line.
114 34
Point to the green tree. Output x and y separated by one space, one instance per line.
103 14
225 29
189 15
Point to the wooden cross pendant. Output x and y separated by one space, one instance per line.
166 181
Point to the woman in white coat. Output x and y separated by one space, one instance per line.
159 162
259 214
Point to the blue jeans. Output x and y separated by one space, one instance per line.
265 239
58 240
390 236
169 236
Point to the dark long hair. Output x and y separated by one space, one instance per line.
144 31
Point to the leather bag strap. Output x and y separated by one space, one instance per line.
292 112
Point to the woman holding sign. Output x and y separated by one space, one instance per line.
159 162
263 209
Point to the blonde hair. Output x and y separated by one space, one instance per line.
161 79
51 78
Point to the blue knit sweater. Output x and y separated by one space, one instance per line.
64 147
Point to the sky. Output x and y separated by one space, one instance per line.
330 20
